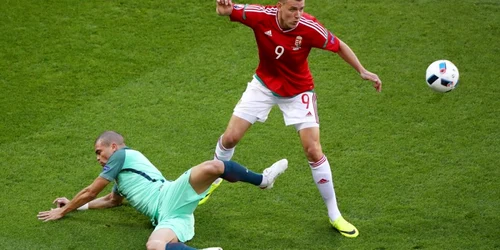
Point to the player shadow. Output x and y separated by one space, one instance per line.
113 217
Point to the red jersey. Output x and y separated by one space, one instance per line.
283 66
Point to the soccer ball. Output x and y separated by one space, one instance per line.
442 76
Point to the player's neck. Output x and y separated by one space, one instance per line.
281 23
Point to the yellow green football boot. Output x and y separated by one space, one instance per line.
214 186
345 228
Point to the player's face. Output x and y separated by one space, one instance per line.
290 13
103 152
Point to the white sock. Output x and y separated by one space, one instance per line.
322 176
222 153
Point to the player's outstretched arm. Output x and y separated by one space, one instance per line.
108 201
86 195
348 55
224 7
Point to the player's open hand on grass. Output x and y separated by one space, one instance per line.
377 84
52 214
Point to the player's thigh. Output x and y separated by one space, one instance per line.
204 174
159 239
179 197
180 224
255 103
300 109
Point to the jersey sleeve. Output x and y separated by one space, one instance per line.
113 166
325 40
247 14
322 38
332 43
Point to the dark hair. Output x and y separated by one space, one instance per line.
109 137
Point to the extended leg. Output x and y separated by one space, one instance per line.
226 144
322 175
204 174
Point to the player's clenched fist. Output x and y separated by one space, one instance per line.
61 201
224 7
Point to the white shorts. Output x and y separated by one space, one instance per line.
257 101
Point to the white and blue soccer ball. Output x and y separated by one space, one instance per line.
442 76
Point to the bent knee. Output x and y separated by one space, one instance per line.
156 245
314 153
213 167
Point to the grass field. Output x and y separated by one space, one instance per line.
413 169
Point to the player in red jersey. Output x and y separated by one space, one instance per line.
285 35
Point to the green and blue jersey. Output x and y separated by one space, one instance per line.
136 179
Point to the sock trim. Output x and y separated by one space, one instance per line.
219 143
318 163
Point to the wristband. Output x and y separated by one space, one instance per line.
84 207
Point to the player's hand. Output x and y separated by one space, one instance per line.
224 2
224 7
377 84
52 214
61 201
